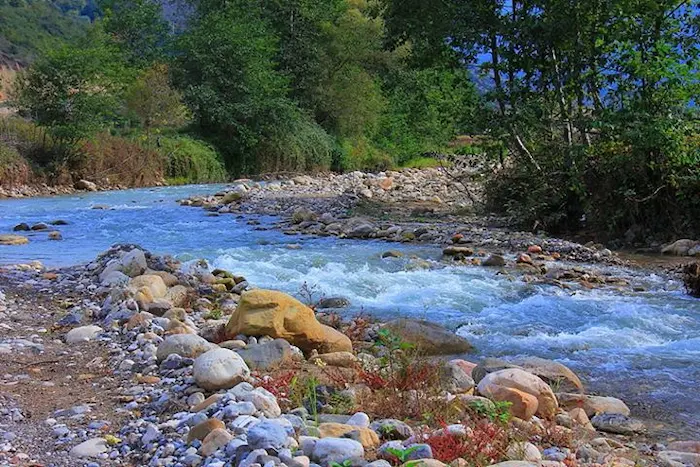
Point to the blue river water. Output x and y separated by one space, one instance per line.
643 347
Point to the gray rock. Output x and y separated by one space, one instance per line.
456 379
392 429
268 435
184 345
333 302
494 261
359 419
338 450
268 355
429 338
617 423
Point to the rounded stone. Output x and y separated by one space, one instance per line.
82 334
219 369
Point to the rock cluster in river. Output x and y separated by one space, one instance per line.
334 205
194 368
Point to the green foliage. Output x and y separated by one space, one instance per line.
228 72
138 28
497 411
427 108
74 91
303 393
345 463
595 103
191 160
153 102
421 163
403 454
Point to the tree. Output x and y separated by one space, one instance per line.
138 28
75 91
573 86
227 69
153 102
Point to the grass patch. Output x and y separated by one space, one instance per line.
421 163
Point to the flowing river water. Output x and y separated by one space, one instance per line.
643 347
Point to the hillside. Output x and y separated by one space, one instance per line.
28 26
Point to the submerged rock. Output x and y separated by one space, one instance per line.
11 239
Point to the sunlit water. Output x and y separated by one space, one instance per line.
641 347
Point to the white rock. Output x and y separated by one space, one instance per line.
90 448
83 334
523 452
220 369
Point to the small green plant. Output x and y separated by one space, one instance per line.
303 392
345 463
402 454
497 412
216 313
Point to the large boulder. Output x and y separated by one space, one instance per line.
680 247
429 338
276 314
522 404
219 369
184 345
521 380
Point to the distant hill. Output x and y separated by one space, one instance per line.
28 26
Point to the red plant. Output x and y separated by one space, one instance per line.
418 375
278 385
484 444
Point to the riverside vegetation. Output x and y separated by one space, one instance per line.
583 115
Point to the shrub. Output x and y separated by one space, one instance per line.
191 160
14 170
484 444
119 161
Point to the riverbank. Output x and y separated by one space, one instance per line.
43 190
415 206
180 370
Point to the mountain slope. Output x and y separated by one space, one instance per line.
27 26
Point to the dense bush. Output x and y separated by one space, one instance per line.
191 161
14 170
119 161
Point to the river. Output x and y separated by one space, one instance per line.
643 347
